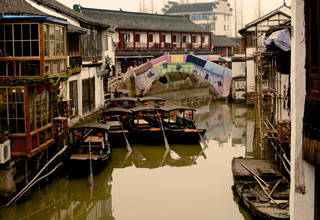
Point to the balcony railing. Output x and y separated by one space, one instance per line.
164 46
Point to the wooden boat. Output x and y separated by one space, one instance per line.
146 101
121 124
89 144
147 128
261 188
124 102
179 125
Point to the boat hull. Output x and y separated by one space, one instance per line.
251 194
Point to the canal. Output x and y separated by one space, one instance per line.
189 182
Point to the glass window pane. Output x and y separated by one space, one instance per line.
8 32
46 32
41 138
20 110
1 32
3 95
20 94
26 48
17 31
49 134
12 110
55 67
11 95
47 66
18 48
1 48
13 125
3 111
38 122
21 126
26 31
9 49
51 32
46 48
62 66
34 32
35 48
34 141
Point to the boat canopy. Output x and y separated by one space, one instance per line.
176 108
133 99
144 108
116 110
149 98
95 125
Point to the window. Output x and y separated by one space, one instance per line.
250 39
12 115
91 45
73 86
54 40
73 44
163 38
19 40
184 39
40 109
208 26
174 38
150 38
194 39
220 51
88 95
138 38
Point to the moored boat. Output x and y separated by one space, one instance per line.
121 124
261 188
147 128
89 146
146 101
180 126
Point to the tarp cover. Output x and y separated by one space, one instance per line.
280 38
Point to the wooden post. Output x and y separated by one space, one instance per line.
171 41
201 42
180 40
120 40
191 41
27 120
134 40
160 41
42 48
147 40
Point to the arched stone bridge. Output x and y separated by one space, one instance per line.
180 67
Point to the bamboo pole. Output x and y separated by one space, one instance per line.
45 166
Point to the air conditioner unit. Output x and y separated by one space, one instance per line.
5 151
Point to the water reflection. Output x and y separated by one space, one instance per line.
187 182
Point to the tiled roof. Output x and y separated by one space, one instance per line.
18 7
223 41
195 7
72 13
144 21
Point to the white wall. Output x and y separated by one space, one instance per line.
302 173
250 76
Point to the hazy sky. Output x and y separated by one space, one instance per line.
133 5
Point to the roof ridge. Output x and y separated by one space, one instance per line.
132 12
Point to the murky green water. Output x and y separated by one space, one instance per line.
186 183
